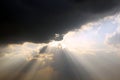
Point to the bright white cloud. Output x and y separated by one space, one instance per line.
114 39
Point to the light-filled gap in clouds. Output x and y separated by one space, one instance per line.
91 52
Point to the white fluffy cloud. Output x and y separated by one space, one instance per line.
114 39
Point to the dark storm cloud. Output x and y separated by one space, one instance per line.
39 20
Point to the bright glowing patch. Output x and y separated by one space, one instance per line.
82 47
57 44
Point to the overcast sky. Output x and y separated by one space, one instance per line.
60 40
40 20
90 52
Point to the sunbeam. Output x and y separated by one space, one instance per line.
88 53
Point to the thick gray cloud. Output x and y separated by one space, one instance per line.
39 20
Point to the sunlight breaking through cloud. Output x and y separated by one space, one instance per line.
87 47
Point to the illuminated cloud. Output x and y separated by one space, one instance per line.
86 38
114 39
81 53
28 50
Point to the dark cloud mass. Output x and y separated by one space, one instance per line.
39 20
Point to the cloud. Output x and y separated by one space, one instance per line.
27 50
85 38
38 21
75 57
114 39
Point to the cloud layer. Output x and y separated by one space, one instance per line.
39 21
81 55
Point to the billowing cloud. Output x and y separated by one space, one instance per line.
81 55
38 21
114 39
27 50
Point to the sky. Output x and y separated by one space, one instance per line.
90 52
39 20
60 40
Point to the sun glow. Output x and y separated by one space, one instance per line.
88 46
79 41
57 44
